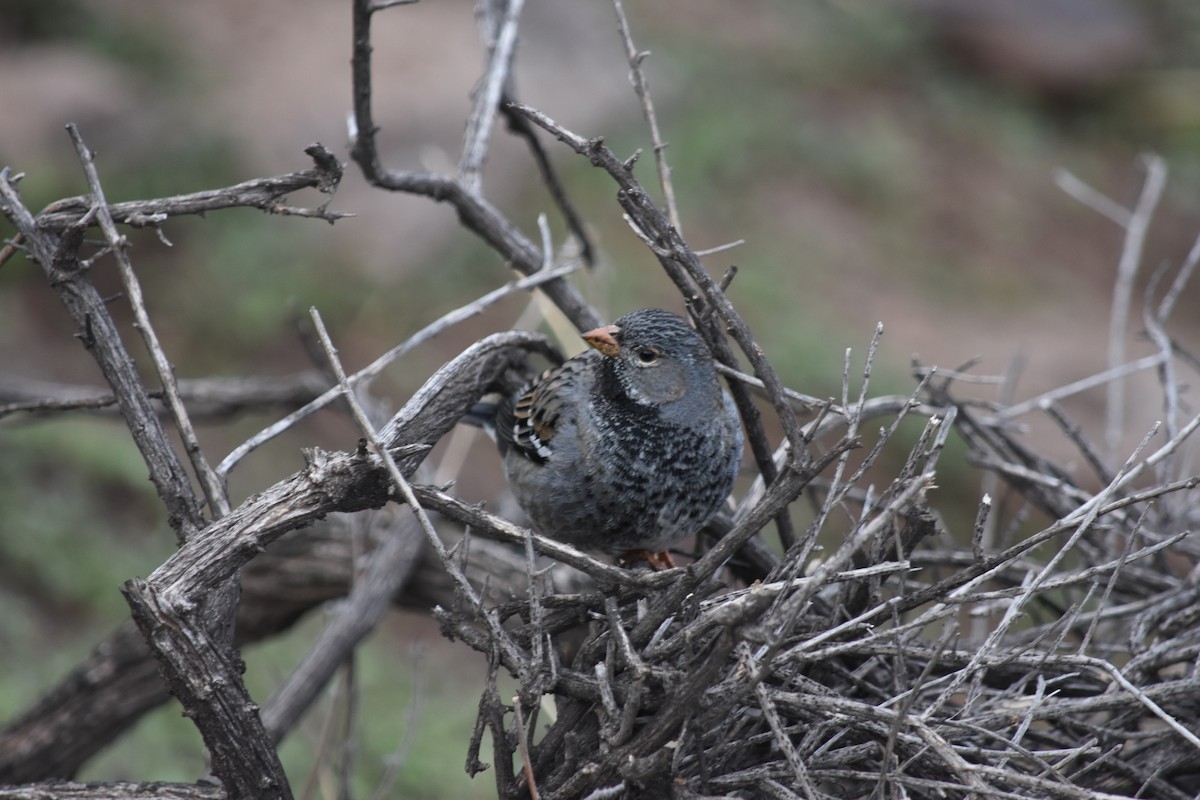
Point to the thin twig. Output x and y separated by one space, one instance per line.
372 370
642 87
1082 385
1166 370
1127 267
520 126
1105 206
523 748
214 488
501 41
1181 280
721 248
401 483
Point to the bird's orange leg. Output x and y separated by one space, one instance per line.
658 561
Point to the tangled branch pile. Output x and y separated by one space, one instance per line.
1057 662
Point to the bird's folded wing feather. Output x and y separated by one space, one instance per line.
530 421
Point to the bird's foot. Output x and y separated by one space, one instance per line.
658 561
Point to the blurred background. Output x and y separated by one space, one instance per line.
891 165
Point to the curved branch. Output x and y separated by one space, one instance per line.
476 214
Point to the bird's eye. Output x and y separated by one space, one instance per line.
647 355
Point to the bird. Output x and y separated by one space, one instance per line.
628 447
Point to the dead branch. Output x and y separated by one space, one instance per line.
206 398
266 194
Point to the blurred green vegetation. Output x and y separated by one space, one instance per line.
79 518
825 135
130 40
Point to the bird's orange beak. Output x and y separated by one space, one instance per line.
604 339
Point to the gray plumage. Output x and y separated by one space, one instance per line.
630 446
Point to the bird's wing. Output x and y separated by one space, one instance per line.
529 421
